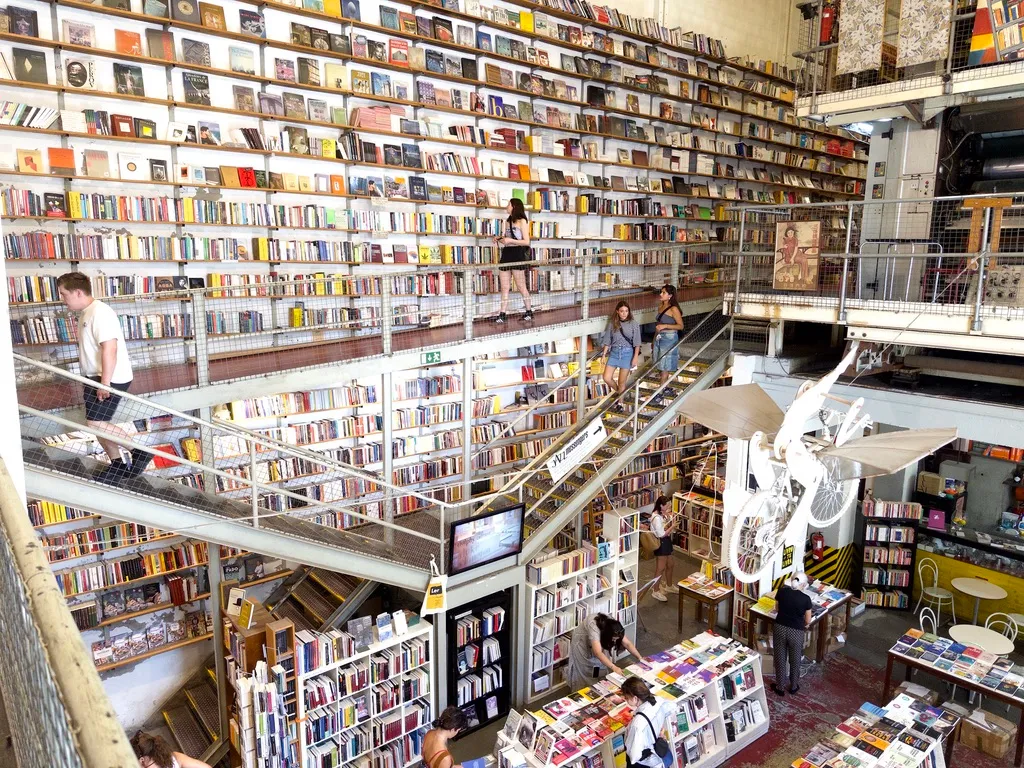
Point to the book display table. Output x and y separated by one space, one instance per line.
707 594
962 665
715 685
906 732
826 600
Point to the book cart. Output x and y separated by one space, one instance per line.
714 683
564 589
370 706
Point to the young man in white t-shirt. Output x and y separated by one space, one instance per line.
103 357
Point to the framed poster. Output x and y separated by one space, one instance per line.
796 255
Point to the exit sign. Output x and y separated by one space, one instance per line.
430 357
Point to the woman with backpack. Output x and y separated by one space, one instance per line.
644 742
621 347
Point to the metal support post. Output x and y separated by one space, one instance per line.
214 573
252 482
676 261
982 262
739 262
467 304
386 316
387 443
585 293
207 450
846 266
581 380
467 432
202 341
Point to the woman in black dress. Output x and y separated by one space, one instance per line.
515 258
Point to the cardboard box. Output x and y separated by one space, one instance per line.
988 733
930 483
919 692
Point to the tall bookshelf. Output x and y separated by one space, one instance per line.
370 706
480 672
888 535
615 137
565 588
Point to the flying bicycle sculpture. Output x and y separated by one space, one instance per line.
801 479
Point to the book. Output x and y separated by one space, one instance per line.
213 16
78 33
241 60
251 23
160 44
246 613
23 21
197 88
30 66
186 11
195 52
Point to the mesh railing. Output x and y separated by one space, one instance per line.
931 253
891 60
247 325
58 712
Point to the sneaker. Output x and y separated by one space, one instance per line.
659 596
501 318
528 315
672 588
140 460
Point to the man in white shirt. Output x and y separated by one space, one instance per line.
103 357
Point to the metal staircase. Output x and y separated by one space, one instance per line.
192 717
632 420
225 501
318 599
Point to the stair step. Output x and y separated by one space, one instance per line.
338 584
187 731
314 599
203 699
288 609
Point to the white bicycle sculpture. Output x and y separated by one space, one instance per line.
801 479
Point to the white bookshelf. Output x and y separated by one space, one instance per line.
563 589
703 733
386 720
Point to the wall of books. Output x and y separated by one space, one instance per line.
479 660
293 133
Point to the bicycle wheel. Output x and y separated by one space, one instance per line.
756 536
833 497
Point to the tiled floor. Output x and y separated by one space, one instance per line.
828 695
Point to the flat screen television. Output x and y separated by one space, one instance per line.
485 538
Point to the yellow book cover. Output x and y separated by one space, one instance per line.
319 286
305 184
424 254
191 447
329 147
295 317
446 255
526 21
544 717
332 8
291 182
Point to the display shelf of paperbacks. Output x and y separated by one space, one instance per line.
888 532
714 685
480 675
303 119
115 574
365 695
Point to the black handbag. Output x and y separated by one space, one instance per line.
661 747
648 331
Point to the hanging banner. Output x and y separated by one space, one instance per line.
435 598
572 455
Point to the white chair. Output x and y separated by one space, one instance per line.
1005 624
932 594
928 615
1018 619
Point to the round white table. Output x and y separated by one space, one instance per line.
980 590
980 637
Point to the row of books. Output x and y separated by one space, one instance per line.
125 645
64 330
108 573
554 567
872 507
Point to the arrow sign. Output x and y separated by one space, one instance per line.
572 455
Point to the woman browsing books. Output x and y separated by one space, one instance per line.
593 641
448 725
515 258
663 529
643 735
793 616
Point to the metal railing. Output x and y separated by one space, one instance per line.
946 255
57 709
248 325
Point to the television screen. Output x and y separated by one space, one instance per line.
483 539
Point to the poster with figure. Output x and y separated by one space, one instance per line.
796 255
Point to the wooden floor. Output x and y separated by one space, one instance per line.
61 394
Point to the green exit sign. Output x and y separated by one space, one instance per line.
428 358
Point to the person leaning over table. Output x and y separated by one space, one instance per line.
593 641
794 615
448 725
